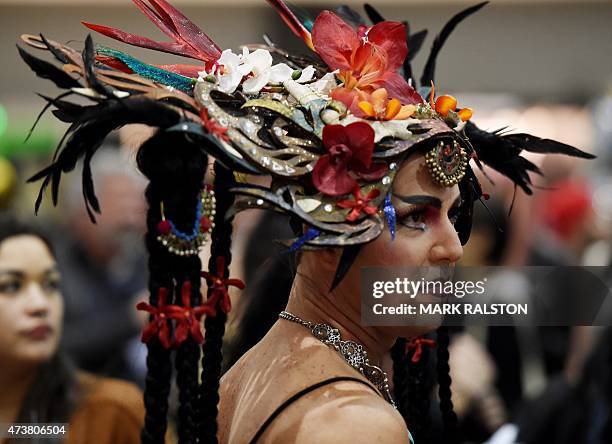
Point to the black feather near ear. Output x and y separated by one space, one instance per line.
430 66
470 190
46 70
349 254
502 152
535 144
373 14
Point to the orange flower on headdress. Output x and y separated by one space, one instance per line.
379 107
446 103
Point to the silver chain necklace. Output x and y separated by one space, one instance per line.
351 351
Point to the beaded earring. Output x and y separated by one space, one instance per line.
189 244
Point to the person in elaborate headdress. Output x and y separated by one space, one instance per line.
371 170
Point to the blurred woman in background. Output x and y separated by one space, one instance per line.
37 384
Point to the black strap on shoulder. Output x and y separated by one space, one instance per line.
298 395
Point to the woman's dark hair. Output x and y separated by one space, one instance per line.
52 396
10 226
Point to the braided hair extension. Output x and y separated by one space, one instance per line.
175 178
215 325
186 363
416 397
449 417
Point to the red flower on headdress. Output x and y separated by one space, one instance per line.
349 150
188 317
417 344
218 285
360 204
366 59
159 324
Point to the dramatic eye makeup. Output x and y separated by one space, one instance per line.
423 210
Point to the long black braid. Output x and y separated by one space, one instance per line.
449 417
413 384
175 168
215 326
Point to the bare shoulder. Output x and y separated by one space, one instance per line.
344 412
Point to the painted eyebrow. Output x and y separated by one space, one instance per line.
420 200
427 200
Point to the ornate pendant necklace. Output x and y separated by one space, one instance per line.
352 352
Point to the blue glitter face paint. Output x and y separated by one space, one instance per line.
389 211
159 75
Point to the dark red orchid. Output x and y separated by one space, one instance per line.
366 60
187 39
417 344
218 287
159 324
360 204
349 151
188 318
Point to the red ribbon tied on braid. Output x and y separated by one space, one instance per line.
218 285
417 344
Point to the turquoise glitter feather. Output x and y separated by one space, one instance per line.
154 73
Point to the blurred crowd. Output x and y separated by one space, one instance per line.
510 384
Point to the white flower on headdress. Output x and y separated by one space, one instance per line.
283 72
259 63
231 68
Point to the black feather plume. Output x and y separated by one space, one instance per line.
350 16
87 133
59 55
48 71
44 110
415 42
430 66
502 152
373 14
89 62
537 145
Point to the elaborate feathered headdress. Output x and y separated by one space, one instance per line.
331 128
